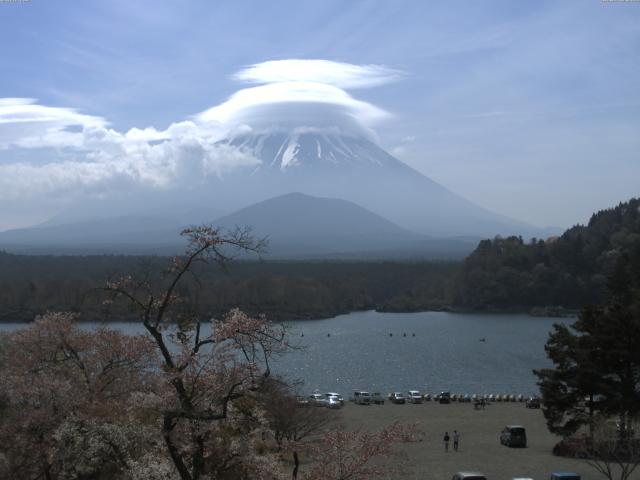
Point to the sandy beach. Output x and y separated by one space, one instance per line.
480 449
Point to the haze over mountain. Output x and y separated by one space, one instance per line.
328 163
379 204
296 225
300 225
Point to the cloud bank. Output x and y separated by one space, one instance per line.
56 151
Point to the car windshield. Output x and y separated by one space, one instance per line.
517 431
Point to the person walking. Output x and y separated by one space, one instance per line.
446 441
456 440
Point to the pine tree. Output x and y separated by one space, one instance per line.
597 359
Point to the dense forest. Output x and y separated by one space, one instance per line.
30 285
567 271
544 276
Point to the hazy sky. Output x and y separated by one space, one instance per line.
531 109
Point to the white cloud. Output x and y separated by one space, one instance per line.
338 74
84 155
91 158
23 123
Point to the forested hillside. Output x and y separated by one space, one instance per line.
31 285
567 271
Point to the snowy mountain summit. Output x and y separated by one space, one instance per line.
313 149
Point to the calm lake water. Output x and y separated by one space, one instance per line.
356 351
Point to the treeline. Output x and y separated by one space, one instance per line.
567 271
546 276
31 285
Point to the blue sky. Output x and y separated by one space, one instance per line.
531 109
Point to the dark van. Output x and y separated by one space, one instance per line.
514 436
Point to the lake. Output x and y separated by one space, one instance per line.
441 351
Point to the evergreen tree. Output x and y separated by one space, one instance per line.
597 359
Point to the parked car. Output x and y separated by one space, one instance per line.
564 476
317 399
513 436
377 398
361 397
468 476
466 398
414 396
427 397
302 401
397 397
444 397
532 402
337 395
333 402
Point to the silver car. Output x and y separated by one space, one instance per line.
469 476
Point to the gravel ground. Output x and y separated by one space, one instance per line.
480 449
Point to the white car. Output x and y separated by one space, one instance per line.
334 394
414 396
333 402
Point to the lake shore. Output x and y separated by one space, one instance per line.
543 312
480 449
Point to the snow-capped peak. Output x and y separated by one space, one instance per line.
307 148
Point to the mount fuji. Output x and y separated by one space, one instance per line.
417 213
327 163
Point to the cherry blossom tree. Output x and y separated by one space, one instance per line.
189 399
54 373
213 373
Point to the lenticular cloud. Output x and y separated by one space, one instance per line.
303 93
341 75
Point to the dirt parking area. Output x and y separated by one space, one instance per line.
480 449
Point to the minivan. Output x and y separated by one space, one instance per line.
513 436
360 397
